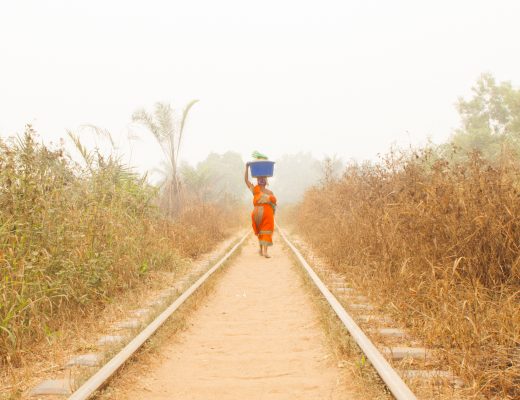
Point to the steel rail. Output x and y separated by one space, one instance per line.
391 378
104 373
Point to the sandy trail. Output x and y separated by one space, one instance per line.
256 337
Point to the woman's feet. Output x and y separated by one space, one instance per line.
263 252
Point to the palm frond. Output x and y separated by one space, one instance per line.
164 116
101 132
183 120
144 118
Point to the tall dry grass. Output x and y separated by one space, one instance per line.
72 238
438 243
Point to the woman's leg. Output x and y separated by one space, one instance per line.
265 252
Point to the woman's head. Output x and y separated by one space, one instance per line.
262 181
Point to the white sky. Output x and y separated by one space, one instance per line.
332 77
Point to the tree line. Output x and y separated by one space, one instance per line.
490 125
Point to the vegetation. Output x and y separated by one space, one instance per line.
167 127
490 119
434 235
295 173
72 237
216 179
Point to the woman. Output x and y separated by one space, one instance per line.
263 213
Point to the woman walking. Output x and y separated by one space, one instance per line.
263 213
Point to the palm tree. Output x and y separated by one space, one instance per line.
167 126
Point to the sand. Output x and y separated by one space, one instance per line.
257 336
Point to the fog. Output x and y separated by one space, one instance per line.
344 78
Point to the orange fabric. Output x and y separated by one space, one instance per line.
263 215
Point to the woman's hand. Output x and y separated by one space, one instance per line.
246 176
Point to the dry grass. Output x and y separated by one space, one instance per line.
72 239
150 353
45 359
367 383
437 242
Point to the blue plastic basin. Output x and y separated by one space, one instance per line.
261 168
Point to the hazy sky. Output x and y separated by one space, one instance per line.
331 77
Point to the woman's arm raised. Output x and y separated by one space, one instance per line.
246 178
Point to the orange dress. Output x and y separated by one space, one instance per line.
263 216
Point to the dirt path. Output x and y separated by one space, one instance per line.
257 337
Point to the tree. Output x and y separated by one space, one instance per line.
331 169
294 174
218 178
490 119
167 127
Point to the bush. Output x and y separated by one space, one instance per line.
438 243
71 238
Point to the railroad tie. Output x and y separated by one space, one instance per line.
85 360
343 289
63 387
156 302
375 318
109 340
400 353
391 332
127 324
435 375
360 307
142 312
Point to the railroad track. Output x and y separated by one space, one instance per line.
378 359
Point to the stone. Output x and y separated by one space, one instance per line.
110 339
84 360
399 353
128 324
53 387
